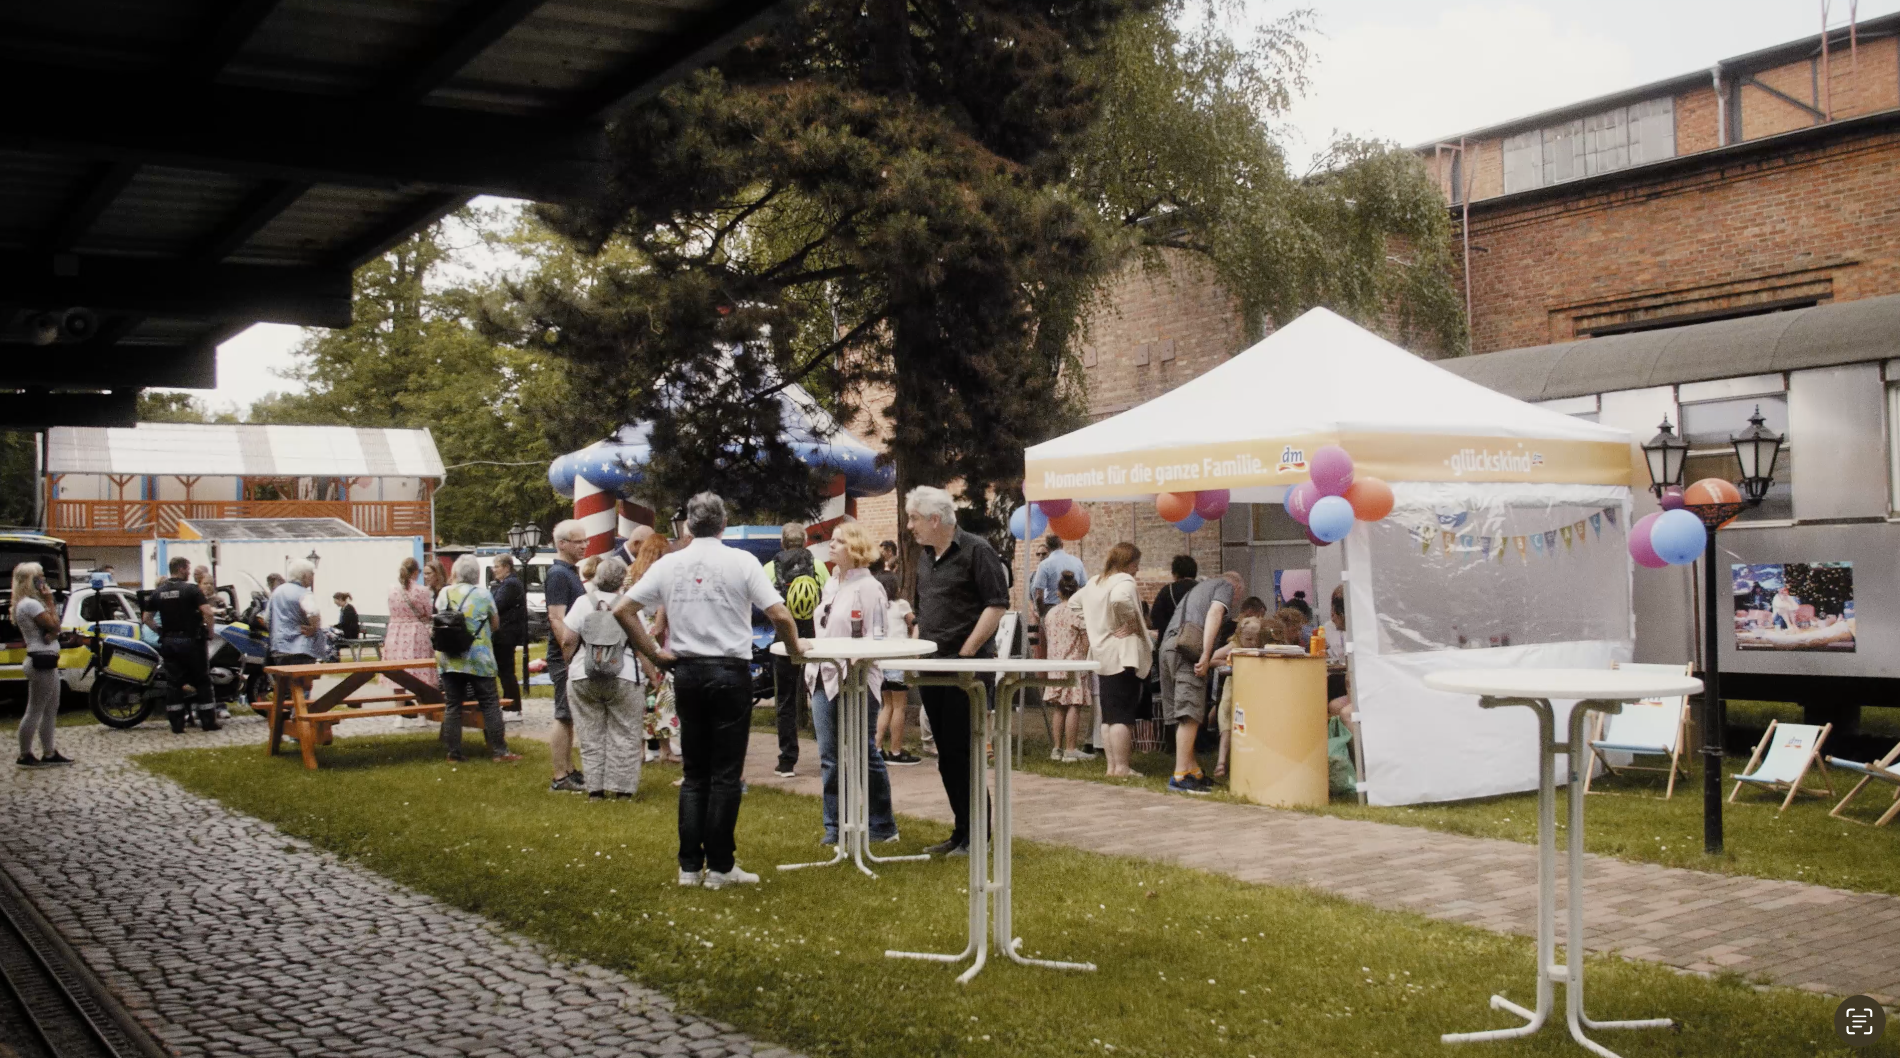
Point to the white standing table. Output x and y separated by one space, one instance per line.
1012 675
854 657
1595 690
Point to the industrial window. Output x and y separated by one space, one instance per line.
1600 143
1707 426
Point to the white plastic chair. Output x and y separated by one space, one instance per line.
1792 749
1651 727
1883 770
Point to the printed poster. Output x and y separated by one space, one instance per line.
1794 606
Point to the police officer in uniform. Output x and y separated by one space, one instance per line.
184 625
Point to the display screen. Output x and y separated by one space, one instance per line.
1794 606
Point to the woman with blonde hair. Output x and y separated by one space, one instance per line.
853 606
662 723
1111 610
410 608
33 616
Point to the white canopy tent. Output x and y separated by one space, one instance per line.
1506 546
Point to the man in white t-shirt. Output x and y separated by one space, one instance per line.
709 591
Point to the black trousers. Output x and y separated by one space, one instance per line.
949 711
713 699
507 652
187 662
791 697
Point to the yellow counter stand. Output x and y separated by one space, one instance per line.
1279 743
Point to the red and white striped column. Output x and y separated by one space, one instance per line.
594 509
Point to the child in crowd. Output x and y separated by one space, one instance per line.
1066 638
1252 632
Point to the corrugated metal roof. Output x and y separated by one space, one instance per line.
272 528
243 450
1822 336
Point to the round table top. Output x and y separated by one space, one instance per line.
846 648
1627 685
993 665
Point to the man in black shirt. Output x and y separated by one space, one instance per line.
562 587
183 625
1161 611
794 560
511 607
962 593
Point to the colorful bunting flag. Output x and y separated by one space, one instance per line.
1550 541
1446 539
1596 525
1537 544
1610 513
1485 542
1519 541
1563 531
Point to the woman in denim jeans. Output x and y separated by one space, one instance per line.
851 590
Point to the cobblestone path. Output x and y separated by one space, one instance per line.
225 937
1804 936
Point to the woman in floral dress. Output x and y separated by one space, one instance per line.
408 634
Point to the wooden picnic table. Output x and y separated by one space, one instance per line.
309 718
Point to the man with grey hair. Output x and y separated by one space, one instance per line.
561 587
962 593
709 591
295 636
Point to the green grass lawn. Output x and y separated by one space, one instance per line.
1627 817
1191 963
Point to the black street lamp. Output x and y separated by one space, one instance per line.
1756 450
524 542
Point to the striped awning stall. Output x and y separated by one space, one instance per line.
243 451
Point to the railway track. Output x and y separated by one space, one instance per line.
52 1007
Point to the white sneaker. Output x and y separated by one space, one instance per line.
1076 754
736 876
1056 755
690 879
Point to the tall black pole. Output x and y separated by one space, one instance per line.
1711 720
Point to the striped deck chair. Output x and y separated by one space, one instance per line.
1791 749
1652 727
1883 770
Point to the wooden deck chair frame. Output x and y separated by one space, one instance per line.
1882 769
1675 758
1813 761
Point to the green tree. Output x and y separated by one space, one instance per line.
18 481
158 405
412 359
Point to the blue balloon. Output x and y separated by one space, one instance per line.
1331 518
1190 523
1038 524
1678 537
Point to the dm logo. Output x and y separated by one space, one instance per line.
1292 460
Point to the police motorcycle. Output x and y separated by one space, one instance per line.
129 679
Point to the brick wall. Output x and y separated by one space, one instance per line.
1697 120
1814 223
1154 331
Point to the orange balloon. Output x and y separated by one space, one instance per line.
1073 525
1371 499
1711 490
1174 506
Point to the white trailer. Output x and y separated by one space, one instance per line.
364 566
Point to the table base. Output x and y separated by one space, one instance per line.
1549 971
854 779
985 889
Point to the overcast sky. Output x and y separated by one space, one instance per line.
1403 70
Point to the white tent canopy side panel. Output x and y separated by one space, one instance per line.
364 566
1322 379
1453 568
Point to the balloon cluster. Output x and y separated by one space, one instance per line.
1188 511
1034 519
1675 536
1333 499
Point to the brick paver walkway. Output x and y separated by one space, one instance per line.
224 936
1790 933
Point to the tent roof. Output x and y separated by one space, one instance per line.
1322 379
243 450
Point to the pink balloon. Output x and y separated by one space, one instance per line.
1300 501
1331 469
1640 549
1210 504
1316 541
1671 499
1055 508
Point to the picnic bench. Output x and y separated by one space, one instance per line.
308 718
372 628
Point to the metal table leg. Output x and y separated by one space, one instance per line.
854 778
1548 971
978 943
1007 689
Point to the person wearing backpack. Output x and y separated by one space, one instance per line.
463 632
604 687
793 564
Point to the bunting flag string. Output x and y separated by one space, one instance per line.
1584 530
1596 525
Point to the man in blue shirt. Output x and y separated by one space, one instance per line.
1042 586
